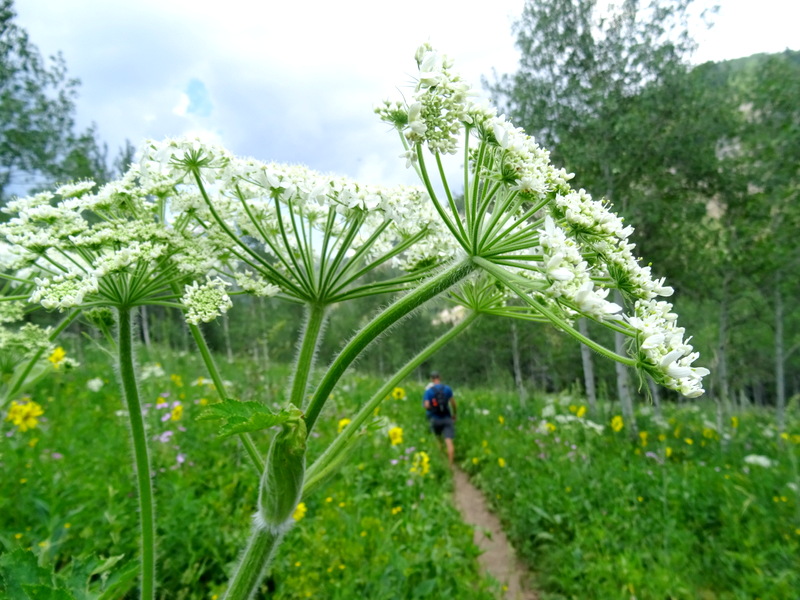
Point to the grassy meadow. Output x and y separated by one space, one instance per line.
680 508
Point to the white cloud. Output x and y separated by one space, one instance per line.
294 81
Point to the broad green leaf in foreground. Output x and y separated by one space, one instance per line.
245 417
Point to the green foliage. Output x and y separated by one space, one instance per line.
676 512
375 531
38 141
245 417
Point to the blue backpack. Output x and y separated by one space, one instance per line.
440 402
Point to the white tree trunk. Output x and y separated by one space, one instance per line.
226 334
523 395
143 317
588 369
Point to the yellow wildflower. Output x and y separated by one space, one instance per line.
421 464
396 435
617 423
342 424
177 412
24 414
57 357
398 393
300 511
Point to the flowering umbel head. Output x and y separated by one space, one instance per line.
556 250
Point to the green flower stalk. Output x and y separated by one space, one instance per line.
141 456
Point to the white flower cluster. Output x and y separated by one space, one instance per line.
568 249
287 209
436 115
663 347
205 302
759 460
569 274
587 424
18 344
63 291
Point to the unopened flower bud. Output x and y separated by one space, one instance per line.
282 481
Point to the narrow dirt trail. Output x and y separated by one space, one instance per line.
498 558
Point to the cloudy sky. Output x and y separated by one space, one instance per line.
295 80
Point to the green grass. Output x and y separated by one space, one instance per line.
597 515
68 496
678 514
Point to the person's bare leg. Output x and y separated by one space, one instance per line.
451 450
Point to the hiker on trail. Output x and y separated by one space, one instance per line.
440 408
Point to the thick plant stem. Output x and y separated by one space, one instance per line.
315 317
257 556
329 459
140 453
400 308
219 385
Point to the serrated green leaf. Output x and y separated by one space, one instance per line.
245 417
19 568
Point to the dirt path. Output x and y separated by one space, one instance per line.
498 558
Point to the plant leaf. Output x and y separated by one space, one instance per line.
245 417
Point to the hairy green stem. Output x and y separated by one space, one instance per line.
315 317
329 459
260 548
141 456
219 385
400 308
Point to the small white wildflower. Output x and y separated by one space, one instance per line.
757 459
95 384
151 370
